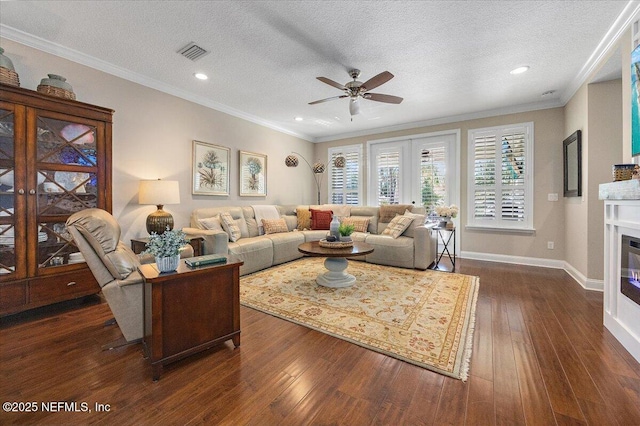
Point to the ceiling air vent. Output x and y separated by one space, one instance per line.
192 51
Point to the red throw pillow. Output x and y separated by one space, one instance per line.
321 219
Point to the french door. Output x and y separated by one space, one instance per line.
421 170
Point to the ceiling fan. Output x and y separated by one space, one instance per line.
355 89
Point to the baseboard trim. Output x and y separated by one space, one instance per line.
586 283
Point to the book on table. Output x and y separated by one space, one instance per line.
207 259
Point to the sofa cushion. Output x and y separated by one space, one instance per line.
256 252
418 220
392 251
212 223
285 246
397 226
230 226
388 212
360 224
274 226
304 218
320 219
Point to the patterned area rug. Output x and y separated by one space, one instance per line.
422 317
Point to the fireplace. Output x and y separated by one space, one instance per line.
630 268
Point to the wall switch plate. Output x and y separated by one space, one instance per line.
550 245
552 197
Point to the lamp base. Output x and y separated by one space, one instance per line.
159 221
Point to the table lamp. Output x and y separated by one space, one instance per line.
159 192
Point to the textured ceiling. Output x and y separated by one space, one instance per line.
449 58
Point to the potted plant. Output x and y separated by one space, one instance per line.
166 249
345 231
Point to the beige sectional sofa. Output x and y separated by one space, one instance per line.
415 248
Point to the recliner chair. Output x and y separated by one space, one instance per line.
115 267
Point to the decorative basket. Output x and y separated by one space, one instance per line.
56 91
335 244
623 171
9 77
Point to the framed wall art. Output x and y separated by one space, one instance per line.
210 169
253 174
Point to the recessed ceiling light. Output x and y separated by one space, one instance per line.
201 76
520 70
298 118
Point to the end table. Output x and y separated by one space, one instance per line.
441 236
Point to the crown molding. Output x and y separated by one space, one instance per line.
606 46
554 103
47 46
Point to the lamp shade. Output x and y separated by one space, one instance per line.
159 192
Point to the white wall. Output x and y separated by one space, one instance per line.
152 138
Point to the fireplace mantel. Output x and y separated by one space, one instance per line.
621 217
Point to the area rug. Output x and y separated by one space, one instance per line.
422 317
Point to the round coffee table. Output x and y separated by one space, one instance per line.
336 262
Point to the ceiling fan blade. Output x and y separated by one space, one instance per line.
331 83
379 97
378 80
328 99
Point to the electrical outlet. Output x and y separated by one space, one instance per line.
552 197
550 245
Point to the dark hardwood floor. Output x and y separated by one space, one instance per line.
541 356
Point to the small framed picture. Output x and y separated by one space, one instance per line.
253 174
210 169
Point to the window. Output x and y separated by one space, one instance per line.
501 177
345 184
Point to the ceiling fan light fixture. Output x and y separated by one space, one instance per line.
354 107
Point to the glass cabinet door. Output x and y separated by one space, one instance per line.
67 182
8 252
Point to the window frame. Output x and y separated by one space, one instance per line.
357 148
497 223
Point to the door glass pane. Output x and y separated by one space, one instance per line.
64 193
64 142
388 172
56 246
433 176
7 217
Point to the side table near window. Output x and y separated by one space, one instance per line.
139 244
446 237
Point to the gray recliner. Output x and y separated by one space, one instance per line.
114 265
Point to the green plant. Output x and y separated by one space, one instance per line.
166 244
346 229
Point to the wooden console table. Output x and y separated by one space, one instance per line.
189 310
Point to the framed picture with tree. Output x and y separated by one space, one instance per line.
210 169
253 174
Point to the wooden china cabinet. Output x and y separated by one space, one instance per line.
55 159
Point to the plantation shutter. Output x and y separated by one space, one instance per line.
345 185
433 174
501 188
388 172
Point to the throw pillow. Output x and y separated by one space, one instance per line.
418 220
212 223
304 219
274 226
387 213
321 219
360 224
397 226
230 226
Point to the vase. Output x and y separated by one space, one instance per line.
444 220
168 264
345 238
